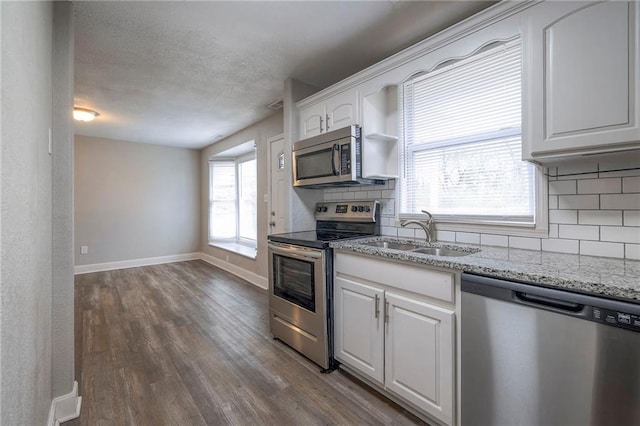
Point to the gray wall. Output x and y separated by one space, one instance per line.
134 200
26 215
62 155
259 132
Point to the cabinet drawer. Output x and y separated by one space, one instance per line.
416 279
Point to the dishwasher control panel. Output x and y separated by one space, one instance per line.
615 318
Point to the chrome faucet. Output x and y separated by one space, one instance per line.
427 225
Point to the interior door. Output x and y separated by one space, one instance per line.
279 165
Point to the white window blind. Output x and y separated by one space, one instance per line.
222 200
461 155
233 200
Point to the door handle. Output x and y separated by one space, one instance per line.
334 169
377 314
386 311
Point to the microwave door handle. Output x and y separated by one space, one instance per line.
336 148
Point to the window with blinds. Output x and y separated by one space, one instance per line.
233 199
461 156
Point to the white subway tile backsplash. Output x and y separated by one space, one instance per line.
626 166
587 215
622 234
563 216
524 243
447 236
600 186
581 168
600 217
391 231
562 187
579 232
406 232
348 195
561 246
632 218
598 248
420 234
494 240
620 202
467 237
632 251
580 202
631 184
387 221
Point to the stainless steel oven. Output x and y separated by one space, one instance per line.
297 300
300 276
330 159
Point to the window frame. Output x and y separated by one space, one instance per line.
240 245
474 224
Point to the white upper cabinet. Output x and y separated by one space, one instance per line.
340 110
581 78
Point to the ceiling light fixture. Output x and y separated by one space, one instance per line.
84 114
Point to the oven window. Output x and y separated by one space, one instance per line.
294 280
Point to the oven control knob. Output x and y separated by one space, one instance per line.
367 209
360 208
319 209
324 209
354 208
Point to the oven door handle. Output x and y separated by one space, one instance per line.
298 252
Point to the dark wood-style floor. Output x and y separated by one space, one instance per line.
188 344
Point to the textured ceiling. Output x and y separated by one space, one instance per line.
185 73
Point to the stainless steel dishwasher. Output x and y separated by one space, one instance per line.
538 356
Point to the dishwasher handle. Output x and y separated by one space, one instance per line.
548 302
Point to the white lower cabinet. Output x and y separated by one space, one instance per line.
359 327
397 341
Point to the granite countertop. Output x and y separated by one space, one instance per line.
603 276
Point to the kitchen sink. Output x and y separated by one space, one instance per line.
392 245
446 251
436 251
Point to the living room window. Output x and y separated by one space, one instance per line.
461 156
232 204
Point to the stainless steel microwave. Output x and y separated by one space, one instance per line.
330 159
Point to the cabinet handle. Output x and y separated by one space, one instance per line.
386 311
377 306
327 121
320 124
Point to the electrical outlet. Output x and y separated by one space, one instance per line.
227 258
84 249
265 198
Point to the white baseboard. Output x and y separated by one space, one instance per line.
252 277
65 407
109 266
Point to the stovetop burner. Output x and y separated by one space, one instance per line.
336 221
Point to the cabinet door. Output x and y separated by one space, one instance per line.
582 78
312 120
359 327
342 110
419 355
